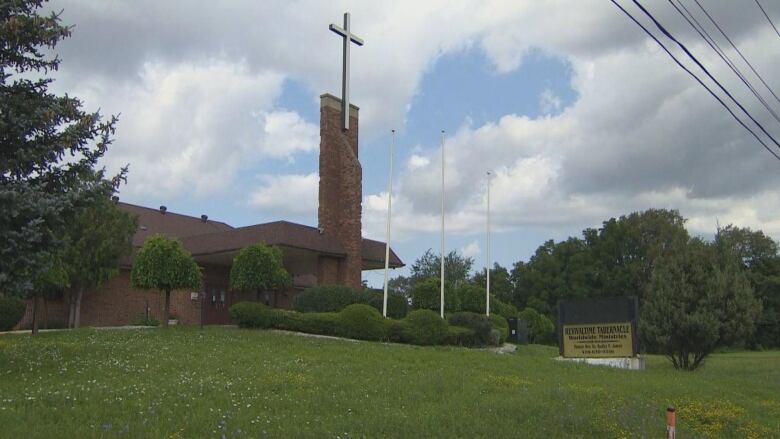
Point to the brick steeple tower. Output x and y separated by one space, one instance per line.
340 190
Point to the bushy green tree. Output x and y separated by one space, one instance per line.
500 282
50 148
259 268
696 301
541 330
426 294
163 264
457 268
95 240
757 254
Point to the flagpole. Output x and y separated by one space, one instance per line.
442 225
389 209
487 261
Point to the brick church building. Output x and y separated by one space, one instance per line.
332 253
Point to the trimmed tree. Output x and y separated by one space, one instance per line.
163 264
95 241
696 302
259 268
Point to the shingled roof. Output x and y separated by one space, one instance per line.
207 237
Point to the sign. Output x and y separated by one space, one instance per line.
603 327
605 340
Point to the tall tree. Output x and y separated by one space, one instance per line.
163 264
457 268
50 147
758 256
259 268
95 240
500 283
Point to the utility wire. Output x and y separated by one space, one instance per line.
767 17
696 78
714 45
737 49
707 72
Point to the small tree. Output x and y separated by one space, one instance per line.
100 235
259 268
426 294
45 285
163 264
694 303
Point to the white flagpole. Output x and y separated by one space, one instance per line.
389 209
487 261
442 225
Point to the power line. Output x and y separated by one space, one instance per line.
767 18
696 78
714 45
707 72
737 50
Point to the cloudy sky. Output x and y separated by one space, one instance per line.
578 113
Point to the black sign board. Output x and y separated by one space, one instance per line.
593 328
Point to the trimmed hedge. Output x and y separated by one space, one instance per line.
459 336
541 330
424 327
11 312
254 315
328 298
500 323
479 324
324 323
362 322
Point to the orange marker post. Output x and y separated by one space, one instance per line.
671 421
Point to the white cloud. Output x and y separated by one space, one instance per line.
549 102
471 250
417 161
286 195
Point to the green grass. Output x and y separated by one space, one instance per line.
224 382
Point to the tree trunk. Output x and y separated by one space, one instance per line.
275 305
71 308
167 308
77 316
35 316
45 313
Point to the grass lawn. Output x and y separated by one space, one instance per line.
232 383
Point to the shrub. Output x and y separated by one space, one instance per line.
495 337
395 330
362 322
146 320
11 312
424 327
325 323
254 315
328 298
460 336
541 329
397 306
499 322
479 324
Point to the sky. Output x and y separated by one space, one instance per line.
578 114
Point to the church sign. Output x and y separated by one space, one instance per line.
598 328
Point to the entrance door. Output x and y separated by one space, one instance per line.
216 306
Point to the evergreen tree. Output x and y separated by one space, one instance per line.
50 148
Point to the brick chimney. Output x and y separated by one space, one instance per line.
341 192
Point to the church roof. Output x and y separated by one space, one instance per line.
205 237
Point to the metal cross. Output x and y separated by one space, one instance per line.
347 36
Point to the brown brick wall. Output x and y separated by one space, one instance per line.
340 190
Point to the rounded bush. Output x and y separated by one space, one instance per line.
325 323
507 310
362 322
11 312
424 327
541 330
478 323
500 323
460 336
328 298
472 298
395 330
254 315
397 306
